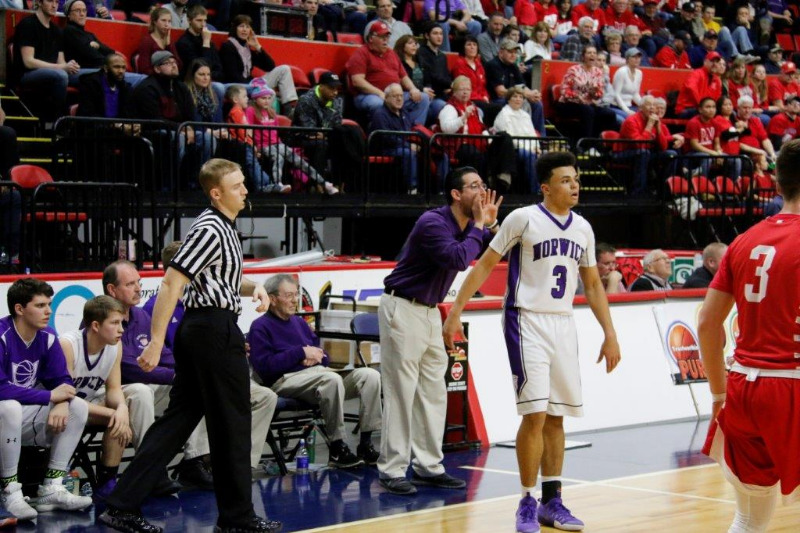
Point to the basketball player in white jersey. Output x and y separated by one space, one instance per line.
93 357
548 246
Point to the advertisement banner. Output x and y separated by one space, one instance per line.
677 325
456 375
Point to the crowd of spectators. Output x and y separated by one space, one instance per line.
730 50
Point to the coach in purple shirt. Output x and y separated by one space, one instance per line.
451 13
444 241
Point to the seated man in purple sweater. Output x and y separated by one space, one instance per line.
121 281
38 406
285 354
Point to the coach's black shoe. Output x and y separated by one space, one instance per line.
194 473
256 525
165 487
368 453
398 485
127 521
341 457
442 481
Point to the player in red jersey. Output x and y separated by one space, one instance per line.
755 429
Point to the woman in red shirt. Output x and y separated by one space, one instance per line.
729 128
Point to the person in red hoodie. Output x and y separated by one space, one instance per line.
673 54
702 83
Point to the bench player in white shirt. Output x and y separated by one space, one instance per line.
93 357
548 246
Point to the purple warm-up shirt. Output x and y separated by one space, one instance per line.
134 340
276 346
435 251
29 373
174 322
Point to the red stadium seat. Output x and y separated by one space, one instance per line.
785 40
300 79
30 176
350 38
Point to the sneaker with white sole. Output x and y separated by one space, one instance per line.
17 504
56 496
554 514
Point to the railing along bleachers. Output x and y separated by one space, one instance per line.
80 226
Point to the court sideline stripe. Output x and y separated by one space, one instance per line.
579 483
395 516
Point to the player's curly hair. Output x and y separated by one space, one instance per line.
550 161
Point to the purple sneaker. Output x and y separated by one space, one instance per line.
104 491
526 516
554 514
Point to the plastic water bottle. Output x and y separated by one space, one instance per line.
302 458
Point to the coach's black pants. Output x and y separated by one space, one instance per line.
211 379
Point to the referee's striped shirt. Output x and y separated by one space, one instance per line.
211 257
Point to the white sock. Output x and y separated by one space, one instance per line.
529 491
753 513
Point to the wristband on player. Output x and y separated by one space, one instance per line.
718 397
494 224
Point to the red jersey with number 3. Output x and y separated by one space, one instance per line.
760 269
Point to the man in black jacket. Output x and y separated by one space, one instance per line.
196 43
105 93
84 47
436 74
162 96
702 276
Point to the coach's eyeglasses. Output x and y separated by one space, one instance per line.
475 186
288 295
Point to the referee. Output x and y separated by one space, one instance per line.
211 370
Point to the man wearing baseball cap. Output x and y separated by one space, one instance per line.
703 82
774 60
683 20
673 54
375 66
698 52
784 86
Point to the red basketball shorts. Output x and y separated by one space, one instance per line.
756 438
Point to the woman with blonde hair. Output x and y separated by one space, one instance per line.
157 39
540 44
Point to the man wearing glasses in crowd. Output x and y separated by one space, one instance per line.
443 242
657 270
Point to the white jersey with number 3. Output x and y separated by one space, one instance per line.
544 253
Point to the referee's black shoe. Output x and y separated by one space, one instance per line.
165 487
256 525
127 521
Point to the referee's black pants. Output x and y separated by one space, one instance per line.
212 379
